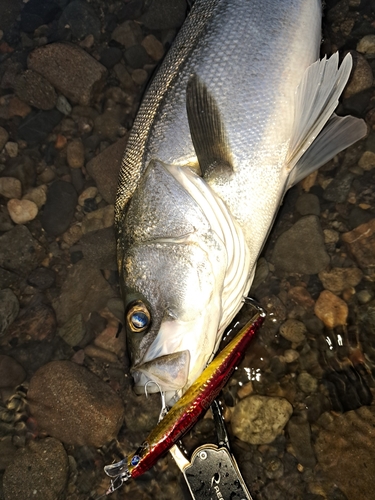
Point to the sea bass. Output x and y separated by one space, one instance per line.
240 110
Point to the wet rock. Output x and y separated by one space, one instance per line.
70 70
358 216
128 34
110 56
36 126
366 46
99 248
344 450
38 195
73 330
307 383
80 19
339 188
139 76
74 405
260 419
44 468
300 437
75 154
301 249
294 331
59 208
164 15
20 252
22 211
38 12
136 56
300 296
339 278
153 47
330 309
35 90
9 308
10 187
42 278
100 219
11 372
84 290
361 77
3 137
361 244
37 321
308 204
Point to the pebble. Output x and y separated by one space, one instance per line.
361 245
364 296
366 46
35 90
22 211
308 204
290 355
80 19
367 161
260 419
72 235
63 105
44 468
87 194
110 338
300 437
361 77
300 296
330 309
307 383
100 219
70 69
38 195
20 252
37 321
99 248
153 47
41 278
136 56
11 106
294 331
84 290
164 15
11 372
59 208
108 125
36 126
12 149
139 76
9 308
128 34
10 187
73 331
110 56
75 154
337 279
338 189
301 249
74 405
4 136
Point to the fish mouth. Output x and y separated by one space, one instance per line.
169 373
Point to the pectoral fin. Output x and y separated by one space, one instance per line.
318 134
207 129
170 371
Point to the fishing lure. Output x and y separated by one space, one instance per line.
184 414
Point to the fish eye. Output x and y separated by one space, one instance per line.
138 317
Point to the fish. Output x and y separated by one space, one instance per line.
241 109
188 409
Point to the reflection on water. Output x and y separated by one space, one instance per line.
299 409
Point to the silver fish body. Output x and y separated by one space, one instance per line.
240 110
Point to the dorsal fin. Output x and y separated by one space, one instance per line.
207 129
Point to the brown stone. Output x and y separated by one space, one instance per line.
35 90
361 245
330 309
339 278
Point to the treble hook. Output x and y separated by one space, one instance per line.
164 407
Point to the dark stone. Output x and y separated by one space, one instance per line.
90 205
20 252
359 216
11 372
339 188
308 204
41 278
300 436
76 256
9 11
164 14
136 56
23 169
99 248
32 355
38 12
59 208
36 126
110 56
78 180
8 278
130 10
81 19
9 308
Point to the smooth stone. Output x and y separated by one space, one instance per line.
307 383
290 355
81 19
364 296
11 372
100 219
84 290
367 161
10 187
11 148
22 211
35 90
139 76
89 193
300 296
110 56
361 245
99 248
70 69
44 468
128 34
164 15
339 278
41 278
293 330
38 195
63 105
73 331
301 248
20 252
330 309
38 12
366 46
9 308
300 437
260 419
4 136
37 321
35 128
154 48
75 154
361 77
338 189
73 405
59 208
308 204
359 216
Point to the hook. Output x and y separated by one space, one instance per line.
164 408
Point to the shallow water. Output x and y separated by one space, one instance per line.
313 360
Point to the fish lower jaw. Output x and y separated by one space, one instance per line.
140 381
